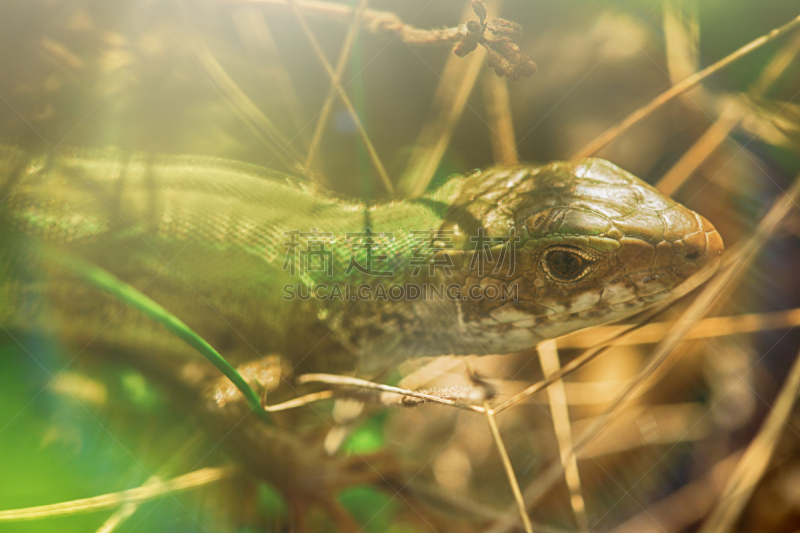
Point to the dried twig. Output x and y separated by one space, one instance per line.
373 21
505 57
397 397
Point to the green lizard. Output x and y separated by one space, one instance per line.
260 263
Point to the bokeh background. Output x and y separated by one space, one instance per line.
240 80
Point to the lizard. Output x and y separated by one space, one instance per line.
254 261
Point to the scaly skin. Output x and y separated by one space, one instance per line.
205 239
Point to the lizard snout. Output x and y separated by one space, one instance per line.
697 255
699 251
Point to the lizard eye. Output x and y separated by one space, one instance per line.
565 263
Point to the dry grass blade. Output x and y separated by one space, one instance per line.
727 121
679 88
711 139
755 460
780 209
681 37
455 85
299 402
325 112
258 39
708 327
141 494
512 479
118 518
595 350
373 154
124 512
501 124
548 357
243 106
572 366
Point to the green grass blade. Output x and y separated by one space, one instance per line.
105 281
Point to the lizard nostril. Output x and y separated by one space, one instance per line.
695 245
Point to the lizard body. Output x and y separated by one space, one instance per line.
586 243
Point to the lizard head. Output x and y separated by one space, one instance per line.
589 243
